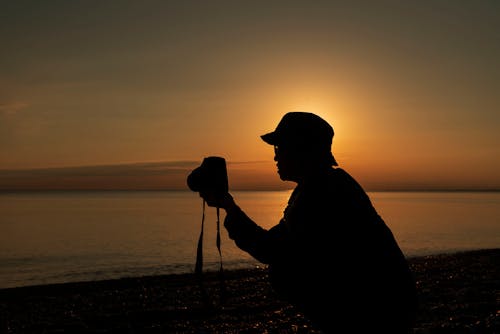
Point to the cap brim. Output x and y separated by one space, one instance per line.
270 138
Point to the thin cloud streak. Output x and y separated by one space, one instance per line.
12 108
133 169
155 175
170 175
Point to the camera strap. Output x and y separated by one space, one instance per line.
199 260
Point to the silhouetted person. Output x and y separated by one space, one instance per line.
331 255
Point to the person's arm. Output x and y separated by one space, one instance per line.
264 245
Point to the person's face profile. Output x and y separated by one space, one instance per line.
287 163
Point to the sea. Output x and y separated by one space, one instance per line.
73 236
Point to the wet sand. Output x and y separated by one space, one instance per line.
459 293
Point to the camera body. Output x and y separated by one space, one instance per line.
209 177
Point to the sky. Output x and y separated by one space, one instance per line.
134 94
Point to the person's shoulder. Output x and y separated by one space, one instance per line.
342 179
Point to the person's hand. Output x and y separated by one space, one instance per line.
224 201
210 198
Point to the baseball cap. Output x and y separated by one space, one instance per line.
303 130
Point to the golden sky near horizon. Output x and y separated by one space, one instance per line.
411 88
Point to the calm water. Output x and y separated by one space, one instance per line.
57 237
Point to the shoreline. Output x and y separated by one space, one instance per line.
458 292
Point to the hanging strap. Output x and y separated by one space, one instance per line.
199 261
199 251
222 285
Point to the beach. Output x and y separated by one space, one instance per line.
458 293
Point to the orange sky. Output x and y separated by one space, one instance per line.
411 89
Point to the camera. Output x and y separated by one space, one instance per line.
209 177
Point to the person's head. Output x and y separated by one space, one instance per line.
302 143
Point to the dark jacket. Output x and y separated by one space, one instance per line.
332 255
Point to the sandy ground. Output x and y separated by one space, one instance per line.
459 293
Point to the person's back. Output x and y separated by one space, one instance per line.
344 263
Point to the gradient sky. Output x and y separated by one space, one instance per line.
412 88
